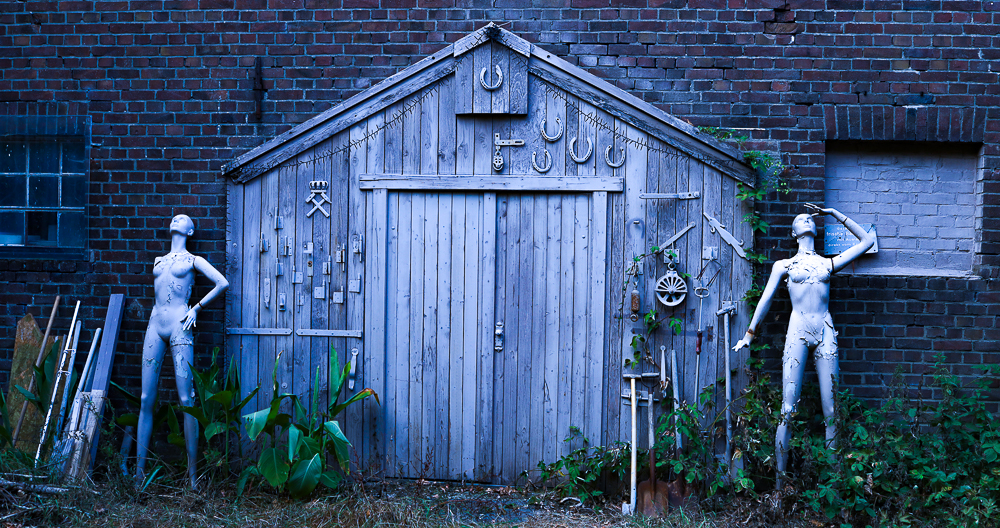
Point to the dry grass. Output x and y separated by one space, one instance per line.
378 504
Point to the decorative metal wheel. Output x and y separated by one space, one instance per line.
671 289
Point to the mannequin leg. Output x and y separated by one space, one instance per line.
152 357
793 364
183 357
828 372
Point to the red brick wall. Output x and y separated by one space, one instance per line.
168 84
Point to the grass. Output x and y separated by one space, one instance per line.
389 503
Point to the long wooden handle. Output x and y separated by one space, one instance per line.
635 433
38 363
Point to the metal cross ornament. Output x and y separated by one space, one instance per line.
318 197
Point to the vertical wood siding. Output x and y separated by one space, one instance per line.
440 269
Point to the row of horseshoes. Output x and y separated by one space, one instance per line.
572 150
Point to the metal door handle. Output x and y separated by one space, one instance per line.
498 338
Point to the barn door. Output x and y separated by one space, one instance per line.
550 300
493 328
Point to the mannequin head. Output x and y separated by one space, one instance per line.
182 224
803 224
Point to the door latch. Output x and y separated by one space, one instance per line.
498 338
497 155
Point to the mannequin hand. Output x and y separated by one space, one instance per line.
817 210
190 319
742 343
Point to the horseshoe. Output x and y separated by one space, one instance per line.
548 138
548 162
607 158
572 151
482 79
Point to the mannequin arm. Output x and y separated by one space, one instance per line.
778 272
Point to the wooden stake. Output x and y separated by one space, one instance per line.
38 363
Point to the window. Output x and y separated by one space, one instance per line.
44 164
920 197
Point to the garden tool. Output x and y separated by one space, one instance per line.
728 308
630 507
653 499
676 382
701 292
61 370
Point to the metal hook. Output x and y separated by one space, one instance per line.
548 162
572 151
482 79
607 157
548 138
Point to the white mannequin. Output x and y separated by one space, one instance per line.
810 326
170 324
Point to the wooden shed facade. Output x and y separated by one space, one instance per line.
448 230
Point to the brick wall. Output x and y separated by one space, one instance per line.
169 86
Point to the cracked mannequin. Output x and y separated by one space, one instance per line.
170 328
810 326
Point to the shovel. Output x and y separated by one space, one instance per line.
653 495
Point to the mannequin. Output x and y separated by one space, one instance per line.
810 326
170 325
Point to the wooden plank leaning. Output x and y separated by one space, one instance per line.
38 363
105 359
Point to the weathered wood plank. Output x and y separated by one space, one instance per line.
598 270
361 415
464 79
579 284
495 468
302 351
565 350
616 260
234 273
511 225
338 237
512 182
266 266
522 438
398 354
688 178
483 148
289 200
447 127
500 98
413 379
383 421
251 287
427 133
259 331
451 333
554 408
427 355
530 131
483 60
363 106
468 305
555 117
486 280
538 348
518 84
320 346
634 169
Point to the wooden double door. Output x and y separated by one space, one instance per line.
487 319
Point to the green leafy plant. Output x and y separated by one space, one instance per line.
578 473
314 439
218 409
165 413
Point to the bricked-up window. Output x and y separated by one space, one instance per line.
920 197
44 163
